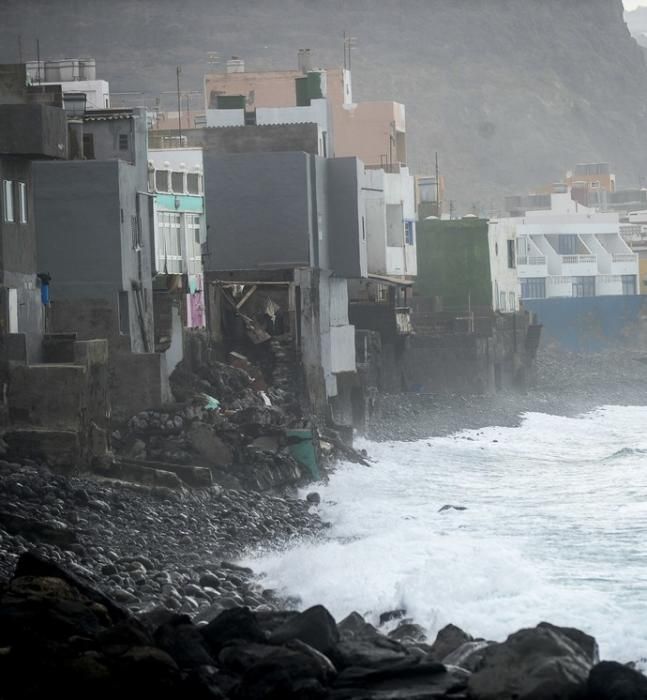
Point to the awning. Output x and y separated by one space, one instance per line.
392 281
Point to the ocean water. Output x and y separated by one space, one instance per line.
555 529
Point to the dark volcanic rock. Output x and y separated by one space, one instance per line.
236 624
447 640
543 663
315 626
610 680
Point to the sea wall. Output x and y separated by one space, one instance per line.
591 324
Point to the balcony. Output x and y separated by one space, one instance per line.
579 265
624 264
532 266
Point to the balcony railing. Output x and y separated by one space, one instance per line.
574 259
531 260
624 257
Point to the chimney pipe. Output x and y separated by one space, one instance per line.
304 59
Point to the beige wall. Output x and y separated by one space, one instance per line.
364 129
268 89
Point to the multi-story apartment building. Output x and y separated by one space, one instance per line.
571 251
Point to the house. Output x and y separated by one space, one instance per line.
29 133
176 179
75 76
374 132
570 251
95 223
55 403
287 231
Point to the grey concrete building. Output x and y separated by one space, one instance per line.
29 132
293 221
94 239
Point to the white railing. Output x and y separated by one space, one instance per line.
624 257
531 260
573 259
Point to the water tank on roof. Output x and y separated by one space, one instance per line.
235 65
87 69
69 70
51 72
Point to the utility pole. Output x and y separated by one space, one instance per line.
451 209
179 107
438 212
38 58
345 64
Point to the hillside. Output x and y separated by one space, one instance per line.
510 92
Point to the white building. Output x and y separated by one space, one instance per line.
503 267
571 251
391 223
76 76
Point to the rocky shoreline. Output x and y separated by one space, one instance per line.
109 586
60 635
147 545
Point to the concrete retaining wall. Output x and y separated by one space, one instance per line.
592 324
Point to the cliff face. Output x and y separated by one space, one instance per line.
510 92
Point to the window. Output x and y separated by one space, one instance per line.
161 181
170 250
502 302
595 185
177 182
567 244
583 286
7 201
88 146
628 284
513 301
22 202
533 288
136 233
124 314
193 183
363 229
194 243
123 142
408 232
511 256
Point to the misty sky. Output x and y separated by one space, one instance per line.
633 4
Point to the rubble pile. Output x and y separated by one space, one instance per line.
60 635
226 422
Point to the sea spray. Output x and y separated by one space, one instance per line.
554 528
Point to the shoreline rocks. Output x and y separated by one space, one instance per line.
61 636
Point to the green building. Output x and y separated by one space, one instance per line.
454 263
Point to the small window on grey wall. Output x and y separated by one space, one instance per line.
123 142
124 314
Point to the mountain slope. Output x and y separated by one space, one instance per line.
510 92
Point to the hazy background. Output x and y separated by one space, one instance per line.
511 93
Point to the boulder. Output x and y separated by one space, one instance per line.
315 626
447 640
184 643
411 679
209 446
468 655
408 631
235 624
610 680
541 663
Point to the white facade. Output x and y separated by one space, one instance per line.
75 76
390 223
570 251
176 179
503 269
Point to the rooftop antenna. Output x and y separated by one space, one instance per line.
179 106
349 45
437 188
38 59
